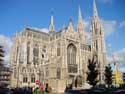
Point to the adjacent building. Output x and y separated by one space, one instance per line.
4 71
5 75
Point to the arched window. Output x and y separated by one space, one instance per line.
47 72
58 49
58 73
35 54
71 54
15 73
32 78
21 58
28 52
35 51
25 79
17 52
96 45
71 59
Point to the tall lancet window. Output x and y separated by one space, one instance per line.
35 54
71 52
71 59
96 45
17 53
28 52
22 52
58 49
58 73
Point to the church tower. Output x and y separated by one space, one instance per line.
81 27
97 42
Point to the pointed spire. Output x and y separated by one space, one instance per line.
70 27
95 13
79 15
51 27
80 26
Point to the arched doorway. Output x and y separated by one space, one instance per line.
78 81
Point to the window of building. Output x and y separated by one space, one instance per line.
17 53
35 51
44 49
33 78
47 72
96 45
58 49
28 51
96 31
71 54
58 73
25 79
35 54
42 55
71 59
15 75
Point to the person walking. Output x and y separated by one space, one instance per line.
50 90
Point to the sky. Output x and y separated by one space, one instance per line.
15 15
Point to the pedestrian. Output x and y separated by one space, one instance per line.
50 90
33 88
47 88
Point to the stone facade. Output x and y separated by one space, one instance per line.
57 58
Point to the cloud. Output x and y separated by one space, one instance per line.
45 30
87 22
88 37
42 29
119 58
122 25
6 42
109 27
120 55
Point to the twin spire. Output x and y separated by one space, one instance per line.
95 13
80 26
80 20
52 27
79 15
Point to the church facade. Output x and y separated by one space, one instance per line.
57 58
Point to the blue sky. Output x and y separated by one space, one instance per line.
15 15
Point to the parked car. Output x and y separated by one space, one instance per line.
98 90
22 91
76 91
119 91
5 91
72 91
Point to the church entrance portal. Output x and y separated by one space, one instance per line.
78 81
